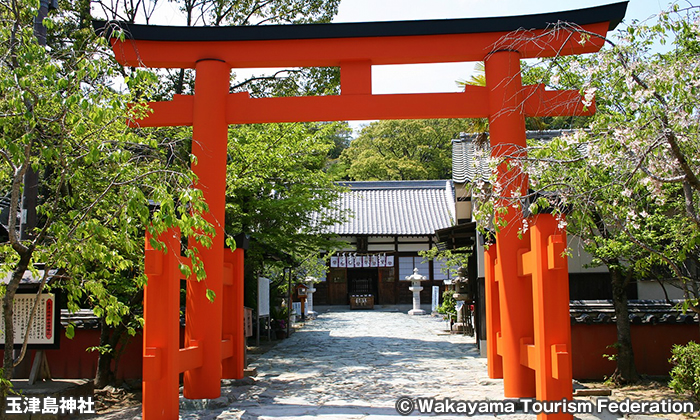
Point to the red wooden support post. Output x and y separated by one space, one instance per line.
493 315
234 315
356 77
161 331
550 278
210 136
507 133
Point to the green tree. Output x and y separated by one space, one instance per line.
96 176
404 149
177 141
631 179
277 191
282 82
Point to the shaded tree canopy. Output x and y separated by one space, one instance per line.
404 150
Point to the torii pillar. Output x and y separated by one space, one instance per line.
528 326
528 333
507 133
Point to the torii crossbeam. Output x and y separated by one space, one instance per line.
529 337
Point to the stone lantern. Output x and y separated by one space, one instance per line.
301 295
310 289
463 296
416 288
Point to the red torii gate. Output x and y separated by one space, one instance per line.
529 337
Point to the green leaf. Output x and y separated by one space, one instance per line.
211 295
70 330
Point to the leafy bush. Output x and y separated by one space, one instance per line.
447 309
685 375
279 315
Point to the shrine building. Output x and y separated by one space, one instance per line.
389 223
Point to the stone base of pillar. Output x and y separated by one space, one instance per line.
416 312
482 348
463 328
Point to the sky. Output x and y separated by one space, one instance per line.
426 78
443 77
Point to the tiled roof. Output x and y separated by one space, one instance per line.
83 319
469 160
471 152
405 208
640 312
29 278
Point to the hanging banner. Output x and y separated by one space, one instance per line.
352 260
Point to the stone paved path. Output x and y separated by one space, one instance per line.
355 365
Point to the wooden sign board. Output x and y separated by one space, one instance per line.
43 333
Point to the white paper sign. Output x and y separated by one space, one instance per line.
263 296
436 298
358 261
374 261
341 261
351 262
389 260
334 262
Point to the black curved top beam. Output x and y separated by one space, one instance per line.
613 13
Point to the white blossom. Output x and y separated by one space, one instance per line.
525 227
561 224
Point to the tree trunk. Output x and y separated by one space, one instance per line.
180 83
114 338
8 362
104 375
626 370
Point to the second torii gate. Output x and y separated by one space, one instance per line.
529 338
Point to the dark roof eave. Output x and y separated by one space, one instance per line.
468 229
612 13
